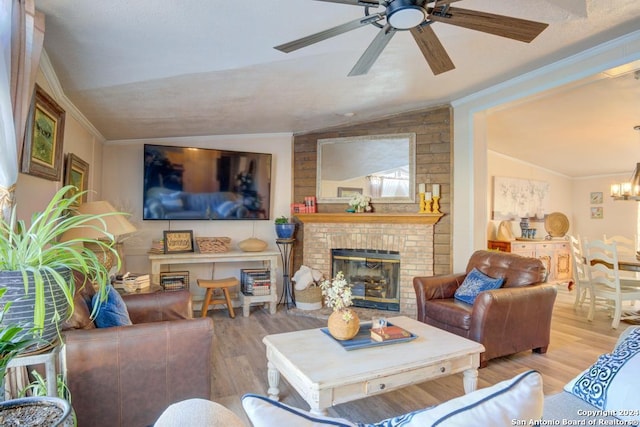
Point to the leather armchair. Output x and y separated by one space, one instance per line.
513 318
128 375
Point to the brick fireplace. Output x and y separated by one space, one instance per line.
411 235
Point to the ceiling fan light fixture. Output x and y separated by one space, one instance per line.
405 14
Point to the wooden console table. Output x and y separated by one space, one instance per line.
268 256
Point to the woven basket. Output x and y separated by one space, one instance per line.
213 245
310 295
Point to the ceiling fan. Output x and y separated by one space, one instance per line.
417 17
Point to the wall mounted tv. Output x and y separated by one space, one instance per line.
202 183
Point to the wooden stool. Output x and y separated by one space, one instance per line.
211 286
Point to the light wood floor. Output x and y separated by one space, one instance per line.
240 361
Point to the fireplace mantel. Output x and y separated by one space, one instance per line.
371 218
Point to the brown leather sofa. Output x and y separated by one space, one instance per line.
128 375
513 318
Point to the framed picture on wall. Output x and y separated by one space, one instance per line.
596 198
597 213
77 174
42 149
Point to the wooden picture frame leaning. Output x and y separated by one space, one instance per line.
179 241
77 173
42 149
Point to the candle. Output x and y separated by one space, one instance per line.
436 190
421 188
428 195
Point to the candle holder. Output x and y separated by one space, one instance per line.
425 206
436 204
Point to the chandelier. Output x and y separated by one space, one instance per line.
629 190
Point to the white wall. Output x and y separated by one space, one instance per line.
33 193
122 186
572 197
619 217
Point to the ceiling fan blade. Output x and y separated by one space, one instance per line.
499 25
370 3
373 52
433 51
331 32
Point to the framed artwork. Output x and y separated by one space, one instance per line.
596 198
77 174
597 213
178 241
348 191
42 150
519 198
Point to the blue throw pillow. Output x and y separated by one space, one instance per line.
476 282
112 311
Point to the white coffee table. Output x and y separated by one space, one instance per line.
325 374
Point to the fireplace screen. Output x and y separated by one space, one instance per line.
374 276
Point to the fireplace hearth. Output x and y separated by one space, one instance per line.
374 276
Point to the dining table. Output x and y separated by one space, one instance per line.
625 264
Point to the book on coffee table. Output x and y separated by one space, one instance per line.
389 333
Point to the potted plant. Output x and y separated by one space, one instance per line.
343 323
284 227
11 343
37 267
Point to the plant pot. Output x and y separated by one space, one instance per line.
341 329
22 307
36 411
285 231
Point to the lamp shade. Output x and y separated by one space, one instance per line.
115 223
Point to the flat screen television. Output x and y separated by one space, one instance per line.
185 183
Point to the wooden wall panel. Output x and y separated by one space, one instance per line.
433 128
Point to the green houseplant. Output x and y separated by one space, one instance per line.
37 266
284 227
11 344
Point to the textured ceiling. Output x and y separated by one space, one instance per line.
163 68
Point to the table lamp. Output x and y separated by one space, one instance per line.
114 223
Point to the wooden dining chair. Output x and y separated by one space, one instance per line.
626 250
604 280
580 274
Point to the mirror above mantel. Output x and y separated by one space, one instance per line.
379 166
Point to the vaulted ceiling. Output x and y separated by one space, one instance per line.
165 68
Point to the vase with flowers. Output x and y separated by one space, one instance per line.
343 323
360 203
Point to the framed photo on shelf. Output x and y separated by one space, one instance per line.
178 241
42 149
77 174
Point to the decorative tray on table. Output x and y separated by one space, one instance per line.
363 338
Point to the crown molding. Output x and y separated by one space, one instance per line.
58 93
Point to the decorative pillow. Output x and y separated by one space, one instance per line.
476 282
112 311
198 412
520 398
264 412
611 383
